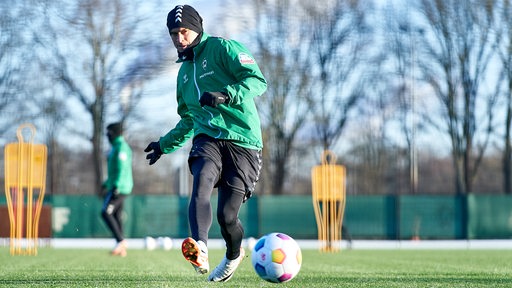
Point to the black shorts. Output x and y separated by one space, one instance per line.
231 160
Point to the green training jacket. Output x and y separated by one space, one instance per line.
219 65
119 167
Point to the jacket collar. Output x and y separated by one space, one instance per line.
118 140
196 50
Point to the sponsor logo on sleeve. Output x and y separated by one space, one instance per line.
245 58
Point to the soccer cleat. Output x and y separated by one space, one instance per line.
225 270
197 254
120 249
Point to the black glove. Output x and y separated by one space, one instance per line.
103 191
213 99
155 155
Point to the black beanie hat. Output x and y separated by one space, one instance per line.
185 16
116 129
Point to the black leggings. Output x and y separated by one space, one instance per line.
112 212
234 171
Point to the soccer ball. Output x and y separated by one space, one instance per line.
251 241
276 257
150 243
165 243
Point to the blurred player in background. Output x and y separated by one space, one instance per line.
216 86
118 185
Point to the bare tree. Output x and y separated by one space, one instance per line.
306 54
337 39
457 54
504 44
284 107
102 55
15 40
400 48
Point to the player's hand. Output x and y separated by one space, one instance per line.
155 155
213 99
103 191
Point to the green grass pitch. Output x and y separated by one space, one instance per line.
348 268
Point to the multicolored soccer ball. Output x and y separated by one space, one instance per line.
276 257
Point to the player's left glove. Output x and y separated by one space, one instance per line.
213 99
155 155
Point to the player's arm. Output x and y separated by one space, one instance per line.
175 138
250 81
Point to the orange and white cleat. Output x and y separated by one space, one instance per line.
196 253
226 269
120 249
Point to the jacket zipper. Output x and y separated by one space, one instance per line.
199 96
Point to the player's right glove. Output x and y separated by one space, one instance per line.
103 191
213 99
155 155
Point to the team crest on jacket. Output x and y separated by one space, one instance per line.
204 64
245 58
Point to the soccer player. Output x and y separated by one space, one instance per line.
216 86
118 185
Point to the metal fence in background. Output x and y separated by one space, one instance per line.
366 217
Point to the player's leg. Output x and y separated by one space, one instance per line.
118 215
194 249
205 174
229 203
111 214
203 160
240 174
